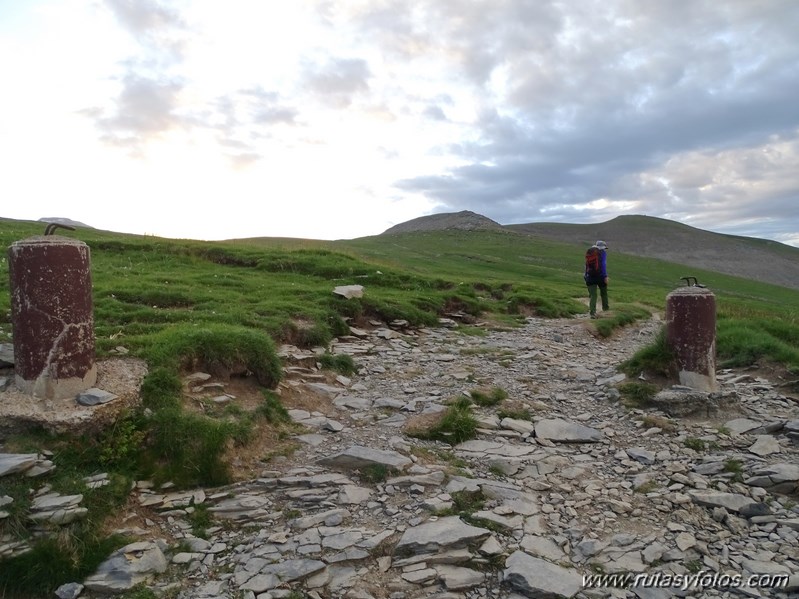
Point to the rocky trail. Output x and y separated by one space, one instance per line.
696 507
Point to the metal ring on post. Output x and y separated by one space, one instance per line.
53 226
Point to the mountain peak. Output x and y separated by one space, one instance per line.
466 220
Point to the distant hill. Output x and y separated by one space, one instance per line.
462 221
757 259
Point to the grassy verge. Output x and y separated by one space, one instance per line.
224 307
623 315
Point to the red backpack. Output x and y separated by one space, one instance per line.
593 264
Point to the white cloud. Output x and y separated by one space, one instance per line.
522 111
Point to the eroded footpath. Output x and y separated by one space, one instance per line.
565 482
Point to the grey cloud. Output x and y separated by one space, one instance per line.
596 96
434 112
148 102
156 26
276 114
144 109
143 16
337 81
241 118
474 35
268 108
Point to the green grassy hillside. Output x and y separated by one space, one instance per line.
144 286
182 304
645 236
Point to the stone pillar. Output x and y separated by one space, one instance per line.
52 316
691 334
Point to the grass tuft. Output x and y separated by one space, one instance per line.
341 363
455 425
488 397
376 473
637 395
622 316
221 350
657 359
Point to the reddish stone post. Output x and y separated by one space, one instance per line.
52 316
691 334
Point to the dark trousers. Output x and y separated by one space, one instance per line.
603 292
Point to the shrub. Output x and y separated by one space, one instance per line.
656 358
161 389
637 394
456 425
516 414
744 343
221 350
695 444
120 445
187 448
490 397
734 467
376 473
341 363
623 316
73 555
200 519
272 409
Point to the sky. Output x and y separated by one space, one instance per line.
336 119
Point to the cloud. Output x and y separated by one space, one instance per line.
337 81
242 118
152 24
148 102
268 108
435 112
144 109
586 104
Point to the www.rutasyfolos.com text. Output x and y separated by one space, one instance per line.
697 580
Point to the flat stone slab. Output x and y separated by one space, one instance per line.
739 426
349 291
294 569
765 445
444 533
639 454
732 502
127 567
11 463
457 578
780 478
54 501
563 431
534 577
356 457
95 397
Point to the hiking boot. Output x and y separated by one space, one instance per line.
594 316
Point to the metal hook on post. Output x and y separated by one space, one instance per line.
688 282
53 226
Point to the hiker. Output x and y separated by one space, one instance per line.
596 275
